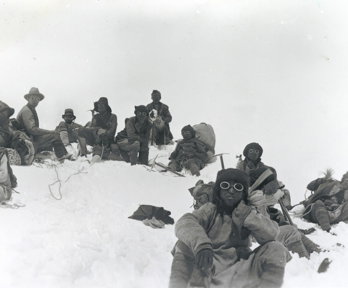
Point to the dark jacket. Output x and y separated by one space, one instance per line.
190 149
162 110
135 131
107 121
70 129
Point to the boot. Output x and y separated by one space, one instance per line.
310 245
133 157
322 217
299 248
144 157
194 169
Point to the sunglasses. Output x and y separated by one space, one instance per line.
142 113
236 186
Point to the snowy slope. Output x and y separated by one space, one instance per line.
86 240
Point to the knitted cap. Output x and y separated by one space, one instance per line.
252 145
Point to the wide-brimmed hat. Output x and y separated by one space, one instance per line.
69 112
102 100
4 107
34 92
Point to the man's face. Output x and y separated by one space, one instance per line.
253 154
33 100
156 98
187 134
231 193
141 116
101 107
68 118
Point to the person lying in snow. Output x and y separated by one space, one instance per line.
8 180
133 140
101 131
252 153
160 116
329 202
20 149
190 153
214 241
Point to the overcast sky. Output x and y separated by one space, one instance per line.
269 71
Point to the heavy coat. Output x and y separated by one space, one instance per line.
107 121
68 132
328 194
29 122
162 110
190 149
228 236
135 131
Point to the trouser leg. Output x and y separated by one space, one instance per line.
320 215
49 141
269 264
291 238
181 270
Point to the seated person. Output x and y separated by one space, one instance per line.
68 130
19 148
161 117
263 201
133 140
101 132
190 153
252 153
214 241
328 204
28 122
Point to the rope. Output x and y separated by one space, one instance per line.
59 187
60 196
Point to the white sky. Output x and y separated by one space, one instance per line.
268 71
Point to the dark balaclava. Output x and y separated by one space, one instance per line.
190 129
254 146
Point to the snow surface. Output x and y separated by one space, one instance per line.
86 239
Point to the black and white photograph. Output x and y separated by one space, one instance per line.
178 144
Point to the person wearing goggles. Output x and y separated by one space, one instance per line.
214 241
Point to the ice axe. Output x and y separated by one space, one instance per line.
221 159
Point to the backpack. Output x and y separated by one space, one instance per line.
205 133
7 178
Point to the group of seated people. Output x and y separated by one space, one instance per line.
26 139
213 247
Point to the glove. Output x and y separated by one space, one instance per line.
163 215
204 259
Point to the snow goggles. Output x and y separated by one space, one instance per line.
142 113
227 185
